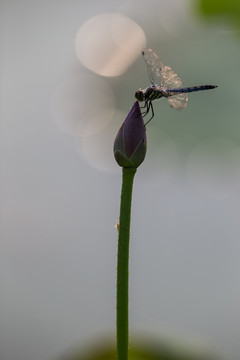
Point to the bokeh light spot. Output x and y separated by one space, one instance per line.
78 100
97 149
109 43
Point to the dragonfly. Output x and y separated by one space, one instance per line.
164 83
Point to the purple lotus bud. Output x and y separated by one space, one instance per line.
130 145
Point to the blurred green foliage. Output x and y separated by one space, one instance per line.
146 351
224 9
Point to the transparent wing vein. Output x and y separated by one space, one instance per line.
178 101
154 66
165 78
170 79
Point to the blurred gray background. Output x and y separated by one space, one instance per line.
60 187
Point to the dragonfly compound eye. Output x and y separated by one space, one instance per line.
139 95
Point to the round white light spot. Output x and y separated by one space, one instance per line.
77 100
109 43
97 149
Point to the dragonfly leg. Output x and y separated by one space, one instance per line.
143 107
149 105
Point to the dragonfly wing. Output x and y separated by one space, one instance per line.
154 66
170 79
178 101
165 77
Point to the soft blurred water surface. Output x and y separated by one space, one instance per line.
60 187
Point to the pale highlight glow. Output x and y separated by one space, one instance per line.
98 148
78 100
213 168
109 43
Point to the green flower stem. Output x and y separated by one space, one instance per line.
122 266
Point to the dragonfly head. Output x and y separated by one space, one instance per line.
140 95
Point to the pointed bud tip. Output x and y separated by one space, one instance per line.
130 144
